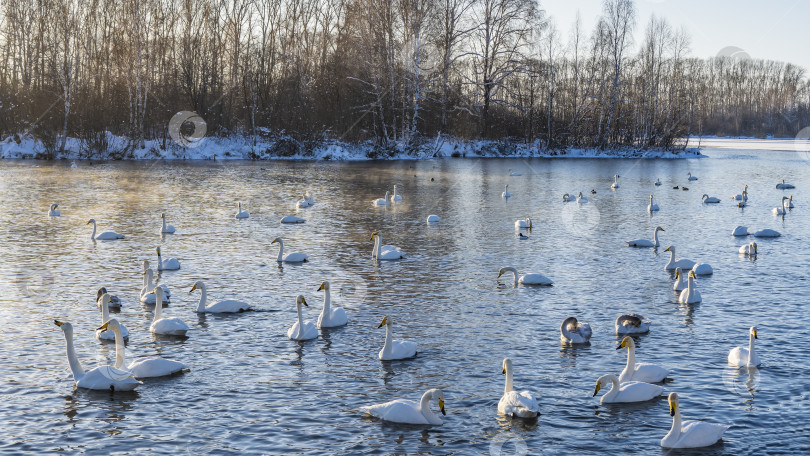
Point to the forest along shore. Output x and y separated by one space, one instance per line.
283 147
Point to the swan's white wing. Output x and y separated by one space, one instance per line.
228 306
521 404
169 327
337 317
738 356
634 391
109 236
155 367
104 377
535 279
305 332
109 335
402 349
697 434
295 257
651 373
640 243
397 411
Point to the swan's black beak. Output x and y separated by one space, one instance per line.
103 327
441 407
671 410
320 288
598 387
755 335
58 323
504 371
619 347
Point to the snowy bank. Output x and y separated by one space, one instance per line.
273 147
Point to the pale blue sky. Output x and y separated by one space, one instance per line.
769 29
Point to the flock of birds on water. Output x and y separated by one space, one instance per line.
637 382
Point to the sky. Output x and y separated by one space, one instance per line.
767 29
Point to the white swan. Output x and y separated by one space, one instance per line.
581 199
740 231
520 404
574 332
292 219
384 252
105 317
166 229
225 306
165 326
680 285
381 201
658 182
396 197
742 204
525 223
710 199
767 233
690 434
531 278
784 186
646 242
53 211
782 210
506 193
147 296
106 235
395 349
568 198
407 411
652 207
305 202
514 173
639 372
789 203
691 177
615 181
330 316
749 249
745 357
626 392
295 257
702 269
143 367
115 301
741 196
690 295
302 330
631 324
105 377
169 264
433 219
240 214
679 263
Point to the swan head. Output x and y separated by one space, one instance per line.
602 381
692 274
566 196
91 221
111 324
163 215
677 272
651 197
580 194
197 285
300 300
145 264
657 228
570 322
670 249
324 286
374 234
506 269
704 196
754 247
754 331
276 240
158 251
386 321
673 403
101 291
54 206
439 395
627 342
507 365
67 328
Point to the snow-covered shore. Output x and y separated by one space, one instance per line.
287 148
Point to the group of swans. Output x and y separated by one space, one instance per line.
740 231
330 317
305 202
573 332
385 201
685 264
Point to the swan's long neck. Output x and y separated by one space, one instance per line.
679 283
508 386
655 235
564 329
377 246
388 345
93 236
158 306
327 301
203 298
73 360
238 208
671 257
614 388
160 261
164 224
690 286
105 311
119 348
424 405
300 318
751 349
514 273
675 430
630 368
395 191
280 251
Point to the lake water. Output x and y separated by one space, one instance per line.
252 390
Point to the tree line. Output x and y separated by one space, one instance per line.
392 73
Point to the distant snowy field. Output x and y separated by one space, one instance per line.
287 148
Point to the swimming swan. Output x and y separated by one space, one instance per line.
710 199
680 285
625 392
615 181
409 412
646 242
639 372
330 316
525 223
531 278
53 211
382 201
166 229
294 257
680 263
105 317
780 210
225 306
574 332
690 434
514 173
741 196
631 324
749 249
150 367
658 182
767 233
395 349
396 196
165 326
569 197
506 193
690 295
745 357
691 177
582 199
104 378
115 301
384 252
302 330
784 186
521 404
240 214
652 207
169 264
292 219
740 231
106 235
433 219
